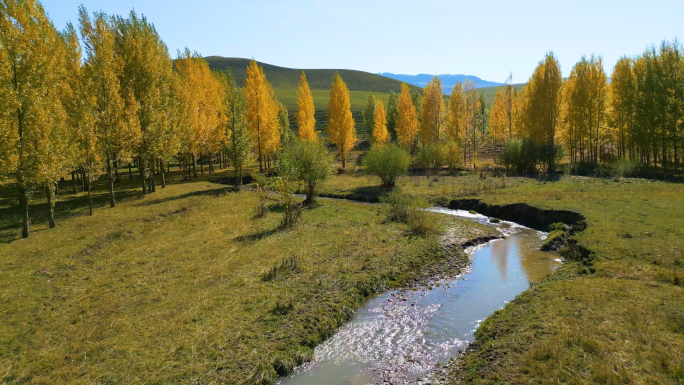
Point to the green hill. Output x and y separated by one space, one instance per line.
285 80
319 79
490 92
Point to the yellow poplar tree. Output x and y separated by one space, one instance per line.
202 117
432 112
407 121
213 118
541 110
622 87
501 114
189 101
306 121
262 111
457 114
40 143
8 133
118 130
341 130
380 134
147 73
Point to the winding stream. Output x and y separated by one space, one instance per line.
399 336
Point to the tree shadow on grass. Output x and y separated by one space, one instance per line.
217 192
66 206
257 236
370 194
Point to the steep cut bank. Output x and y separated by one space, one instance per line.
522 213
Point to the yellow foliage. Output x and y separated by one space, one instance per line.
380 134
501 115
306 120
407 120
262 112
341 130
432 112
457 114
203 115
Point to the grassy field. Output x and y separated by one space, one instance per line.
623 323
185 286
171 287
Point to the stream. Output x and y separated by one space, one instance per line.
401 335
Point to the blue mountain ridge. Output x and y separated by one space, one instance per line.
448 81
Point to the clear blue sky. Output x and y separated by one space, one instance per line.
488 39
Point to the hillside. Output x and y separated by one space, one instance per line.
319 79
448 81
490 92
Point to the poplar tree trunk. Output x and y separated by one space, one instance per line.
112 201
130 171
90 198
73 180
141 170
83 181
51 205
163 178
116 169
201 164
152 172
24 205
194 166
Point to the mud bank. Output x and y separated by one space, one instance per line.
522 213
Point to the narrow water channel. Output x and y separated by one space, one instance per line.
401 335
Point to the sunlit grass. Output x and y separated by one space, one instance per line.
175 286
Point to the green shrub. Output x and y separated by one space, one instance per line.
431 157
398 206
388 162
524 156
558 226
627 167
408 209
306 162
261 208
292 208
452 155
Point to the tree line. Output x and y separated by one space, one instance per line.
585 117
119 99
636 114
112 98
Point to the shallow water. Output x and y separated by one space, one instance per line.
399 336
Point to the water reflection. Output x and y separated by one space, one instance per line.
401 335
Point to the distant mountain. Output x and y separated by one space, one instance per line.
448 81
318 79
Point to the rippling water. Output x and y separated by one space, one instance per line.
399 336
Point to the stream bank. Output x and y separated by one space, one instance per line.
402 335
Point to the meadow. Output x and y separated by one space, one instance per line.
186 285
614 317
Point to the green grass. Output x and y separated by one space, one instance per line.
185 286
622 324
171 288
